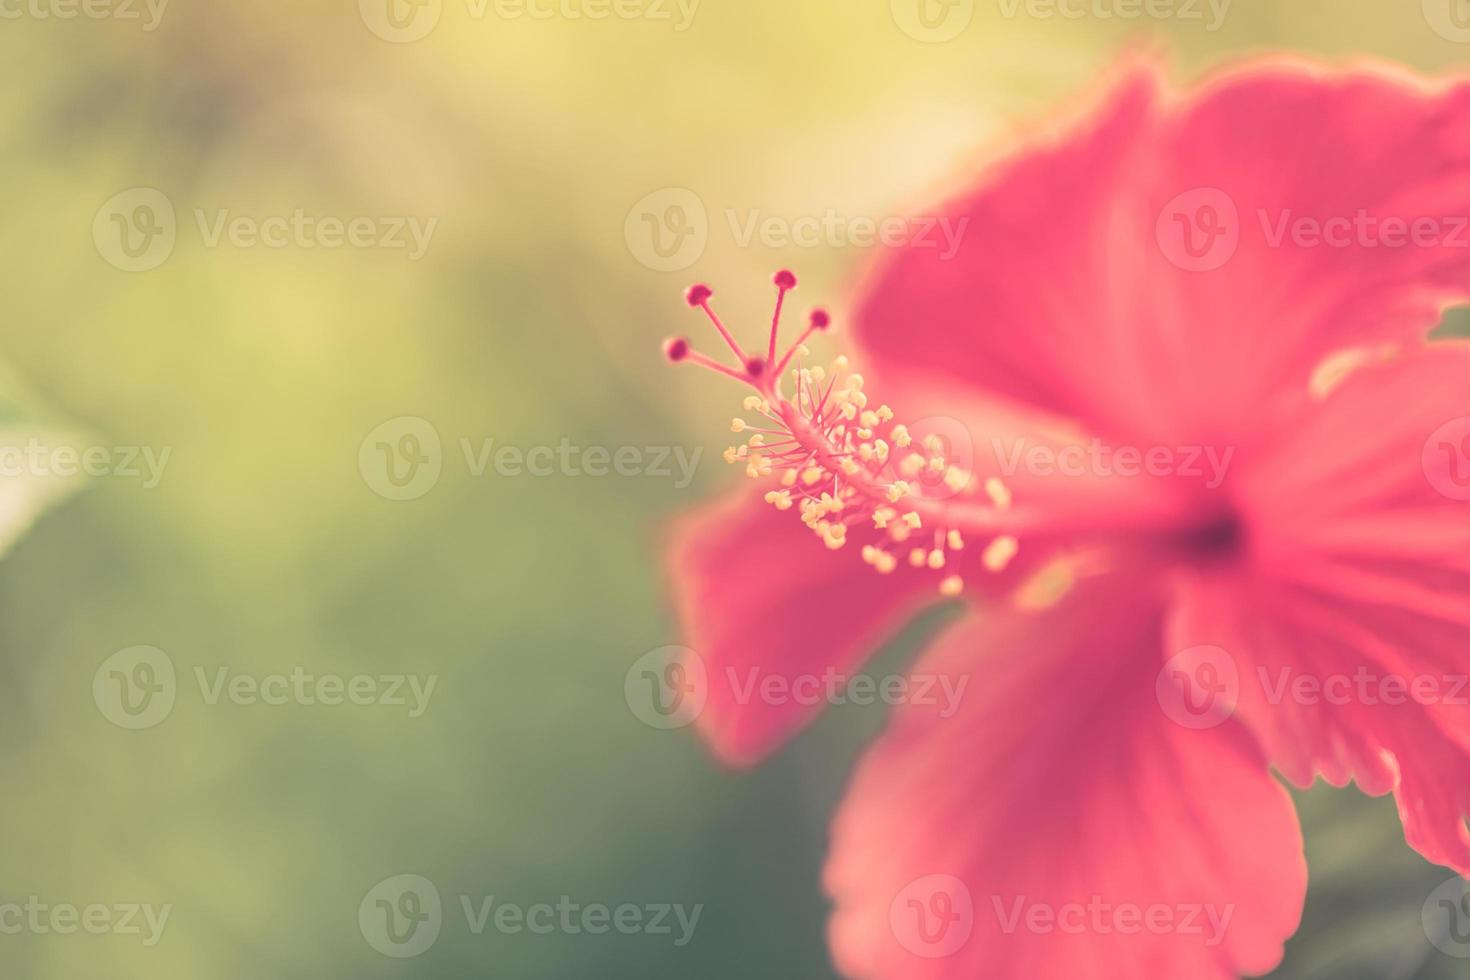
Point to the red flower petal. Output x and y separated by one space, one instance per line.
760 598
1073 289
1349 628
1060 787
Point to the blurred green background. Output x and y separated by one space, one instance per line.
533 317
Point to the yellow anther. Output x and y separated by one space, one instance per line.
865 433
955 542
780 499
917 557
998 492
885 414
849 410
841 363
998 553
912 520
869 419
952 586
757 440
936 559
737 425
886 563
811 475
855 382
934 444
881 448
850 468
956 479
788 479
754 403
819 373
937 465
897 492
901 437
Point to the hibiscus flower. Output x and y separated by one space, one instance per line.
1211 522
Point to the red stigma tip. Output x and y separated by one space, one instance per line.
676 349
698 293
755 367
786 279
820 320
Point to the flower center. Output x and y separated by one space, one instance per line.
1219 537
853 472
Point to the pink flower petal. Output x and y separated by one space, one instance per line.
761 600
1059 787
1349 624
1072 290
